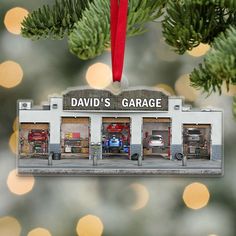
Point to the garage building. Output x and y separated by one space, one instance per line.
156 127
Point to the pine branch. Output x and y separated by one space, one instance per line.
53 22
222 3
191 22
219 65
91 35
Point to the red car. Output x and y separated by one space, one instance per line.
38 135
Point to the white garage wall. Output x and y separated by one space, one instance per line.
213 118
178 118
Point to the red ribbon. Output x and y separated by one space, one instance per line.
119 12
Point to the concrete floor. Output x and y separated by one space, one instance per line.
152 165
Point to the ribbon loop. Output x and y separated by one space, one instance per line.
119 12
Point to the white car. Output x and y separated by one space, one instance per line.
154 141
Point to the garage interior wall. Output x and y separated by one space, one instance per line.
71 143
205 130
25 128
75 125
124 135
112 120
150 127
159 126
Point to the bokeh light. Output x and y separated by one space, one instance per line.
13 142
200 50
231 92
183 88
166 88
15 124
196 196
19 185
39 232
11 74
89 225
9 226
108 49
13 19
99 76
142 196
53 203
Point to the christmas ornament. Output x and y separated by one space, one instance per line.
119 130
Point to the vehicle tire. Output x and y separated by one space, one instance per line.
179 156
134 157
56 156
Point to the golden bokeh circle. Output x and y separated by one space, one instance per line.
142 196
15 124
11 74
108 49
99 76
231 92
13 19
196 196
13 142
166 88
9 226
183 88
200 50
19 185
89 225
39 232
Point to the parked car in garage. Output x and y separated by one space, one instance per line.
193 134
114 143
37 135
153 141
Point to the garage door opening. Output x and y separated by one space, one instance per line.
115 137
156 137
75 135
34 139
197 141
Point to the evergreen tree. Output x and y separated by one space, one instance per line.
191 22
87 23
186 24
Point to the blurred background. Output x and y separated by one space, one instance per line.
93 206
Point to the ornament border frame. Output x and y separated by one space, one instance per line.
179 113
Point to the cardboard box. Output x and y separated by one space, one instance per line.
84 143
147 151
75 149
67 149
85 150
25 149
